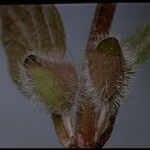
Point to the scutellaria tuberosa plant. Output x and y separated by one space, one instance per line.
84 105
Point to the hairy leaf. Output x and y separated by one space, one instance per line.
53 83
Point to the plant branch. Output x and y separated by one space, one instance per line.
102 21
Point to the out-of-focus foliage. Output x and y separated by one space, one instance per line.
30 27
140 42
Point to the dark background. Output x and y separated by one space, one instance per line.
24 124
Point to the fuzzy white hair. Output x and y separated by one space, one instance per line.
96 97
27 86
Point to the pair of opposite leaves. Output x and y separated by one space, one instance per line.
28 31
35 44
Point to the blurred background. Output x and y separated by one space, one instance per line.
25 125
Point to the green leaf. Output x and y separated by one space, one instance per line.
140 41
54 83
